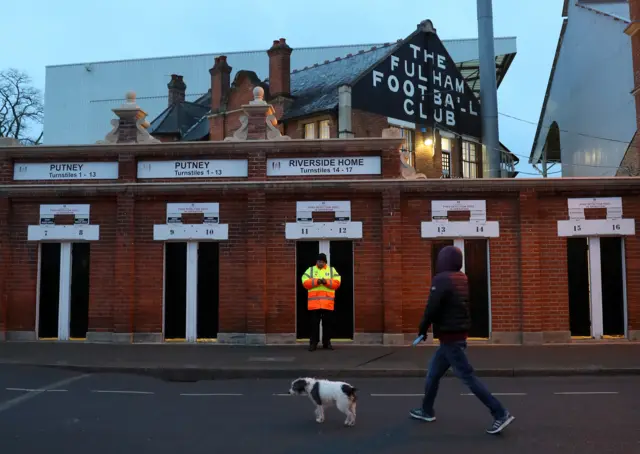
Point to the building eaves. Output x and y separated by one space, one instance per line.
547 93
603 13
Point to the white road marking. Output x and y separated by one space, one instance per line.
31 394
116 391
282 394
209 394
40 390
569 393
396 395
498 394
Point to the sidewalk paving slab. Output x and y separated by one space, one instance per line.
189 362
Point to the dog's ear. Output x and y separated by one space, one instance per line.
299 385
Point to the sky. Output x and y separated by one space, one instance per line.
74 31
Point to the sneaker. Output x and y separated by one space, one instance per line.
419 413
500 424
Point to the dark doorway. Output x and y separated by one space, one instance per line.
208 294
79 303
579 296
175 291
341 257
49 290
306 255
475 267
612 286
436 247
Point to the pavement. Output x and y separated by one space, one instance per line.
54 410
193 362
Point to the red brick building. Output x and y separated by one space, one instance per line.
321 102
136 240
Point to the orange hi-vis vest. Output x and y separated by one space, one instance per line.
321 296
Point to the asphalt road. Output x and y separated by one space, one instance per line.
45 410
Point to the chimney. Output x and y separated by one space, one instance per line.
177 89
280 68
220 81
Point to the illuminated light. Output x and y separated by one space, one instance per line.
428 142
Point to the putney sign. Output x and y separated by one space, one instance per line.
418 82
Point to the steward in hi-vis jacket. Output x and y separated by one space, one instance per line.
321 281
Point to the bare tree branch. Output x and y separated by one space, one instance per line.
21 107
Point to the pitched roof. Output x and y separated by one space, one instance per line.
179 118
315 89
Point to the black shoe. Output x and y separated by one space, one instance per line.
313 347
327 347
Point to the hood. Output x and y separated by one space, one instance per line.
449 259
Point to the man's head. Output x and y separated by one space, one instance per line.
449 259
321 261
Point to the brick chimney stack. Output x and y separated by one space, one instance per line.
177 89
220 81
280 68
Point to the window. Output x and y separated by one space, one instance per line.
469 160
445 146
325 131
446 164
310 131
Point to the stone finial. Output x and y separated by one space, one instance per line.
258 96
426 26
407 170
259 121
130 126
391 133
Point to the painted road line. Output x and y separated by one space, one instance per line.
31 394
497 394
40 390
586 393
117 391
209 394
397 395
282 394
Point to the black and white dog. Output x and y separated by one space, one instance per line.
325 393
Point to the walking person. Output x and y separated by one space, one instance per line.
448 311
321 281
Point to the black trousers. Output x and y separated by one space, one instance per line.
327 321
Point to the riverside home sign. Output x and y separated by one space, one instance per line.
346 165
418 82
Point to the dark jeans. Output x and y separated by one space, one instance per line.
452 354
326 316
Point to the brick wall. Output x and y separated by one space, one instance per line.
392 263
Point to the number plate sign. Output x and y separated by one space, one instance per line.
460 229
324 230
191 232
63 233
579 226
597 227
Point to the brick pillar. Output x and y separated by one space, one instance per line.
123 304
392 267
531 312
256 253
5 258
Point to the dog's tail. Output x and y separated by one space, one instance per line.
350 392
